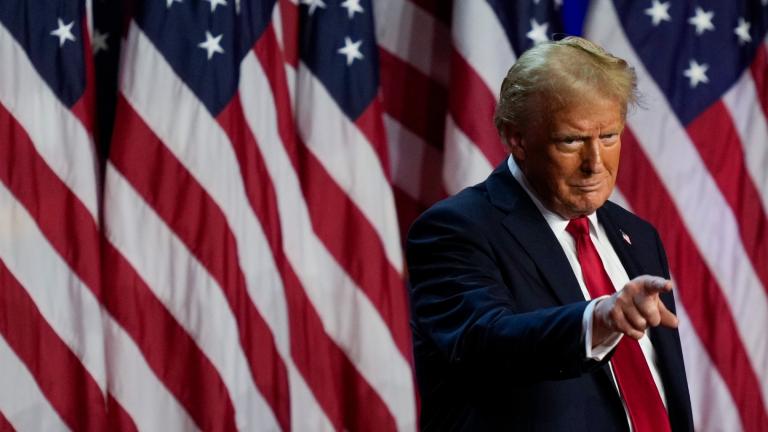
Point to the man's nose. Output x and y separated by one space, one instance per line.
591 157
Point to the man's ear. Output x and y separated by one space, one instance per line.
514 142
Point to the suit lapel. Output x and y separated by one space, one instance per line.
526 224
621 245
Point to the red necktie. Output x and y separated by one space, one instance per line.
646 410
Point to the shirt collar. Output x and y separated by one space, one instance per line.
556 222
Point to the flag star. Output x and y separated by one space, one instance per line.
215 3
352 6
168 3
742 31
538 32
64 32
314 4
558 3
702 20
658 12
697 73
212 44
351 50
99 41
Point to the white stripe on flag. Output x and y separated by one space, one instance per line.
59 137
463 164
348 316
183 285
199 143
708 391
479 37
752 126
411 34
349 159
61 297
702 208
21 401
136 387
409 156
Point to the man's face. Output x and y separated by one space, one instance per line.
571 159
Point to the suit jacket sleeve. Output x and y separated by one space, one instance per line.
462 304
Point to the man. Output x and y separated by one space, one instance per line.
537 303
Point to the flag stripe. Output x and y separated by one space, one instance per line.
417 166
118 418
489 65
21 400
413 99
700 293
25 172
359 174
370 124
85 107
169 351
414 36
5 425
71 158
714 135
146 398
43 237
472 106
161 268
752 126
463 162
324 366
707 389
61 377
329 288
759 70
211 248
328 202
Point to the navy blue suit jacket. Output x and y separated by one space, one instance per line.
497 313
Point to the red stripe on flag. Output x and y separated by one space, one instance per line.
61 216
85 107
5 425
472 106
169 351
370 123
342 227
117 419
719 145
64 381
289 17
759 70
140 155
345 396
415 100
408 209
697 288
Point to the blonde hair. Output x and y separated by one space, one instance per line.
552 74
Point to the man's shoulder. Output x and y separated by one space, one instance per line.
470 205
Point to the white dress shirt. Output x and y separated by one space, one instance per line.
613 267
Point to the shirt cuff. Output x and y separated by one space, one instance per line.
599 352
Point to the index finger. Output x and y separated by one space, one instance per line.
654 284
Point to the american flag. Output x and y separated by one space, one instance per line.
235 263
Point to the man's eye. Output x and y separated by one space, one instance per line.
609 138
572 141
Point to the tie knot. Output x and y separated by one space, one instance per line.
578 227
